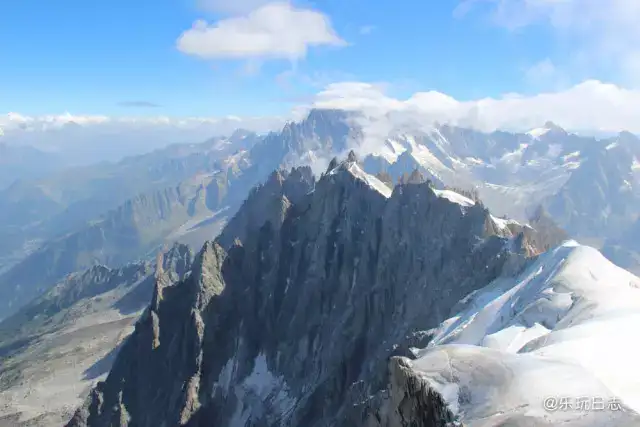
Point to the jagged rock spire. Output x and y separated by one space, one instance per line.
276 177
352 157
160 264
332 164
158 286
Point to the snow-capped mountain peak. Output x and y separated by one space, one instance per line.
549 127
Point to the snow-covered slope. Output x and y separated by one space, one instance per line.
563 328
354 169
513 171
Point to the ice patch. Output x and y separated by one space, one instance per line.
397 147
571 155
514 156
454 197
474 160
260 394
370 180
503 224
572 165
223 384
425 157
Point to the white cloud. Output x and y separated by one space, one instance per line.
274 30
589 106
602 36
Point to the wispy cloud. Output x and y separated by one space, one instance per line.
139 104
599 37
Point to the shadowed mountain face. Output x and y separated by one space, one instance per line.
290 320
55 348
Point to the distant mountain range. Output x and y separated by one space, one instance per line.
85 140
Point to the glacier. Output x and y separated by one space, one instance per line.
564 328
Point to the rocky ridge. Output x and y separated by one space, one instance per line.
293 324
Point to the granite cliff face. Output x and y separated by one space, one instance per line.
290 320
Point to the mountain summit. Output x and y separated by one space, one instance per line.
291 320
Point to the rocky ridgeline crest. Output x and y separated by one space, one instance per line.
291 316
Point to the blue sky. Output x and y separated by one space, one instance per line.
93 57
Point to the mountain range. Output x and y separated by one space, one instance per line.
513 174
314 317
309 252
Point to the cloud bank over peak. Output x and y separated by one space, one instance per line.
591 106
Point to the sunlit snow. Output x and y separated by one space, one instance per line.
454 197
538 132
566 325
